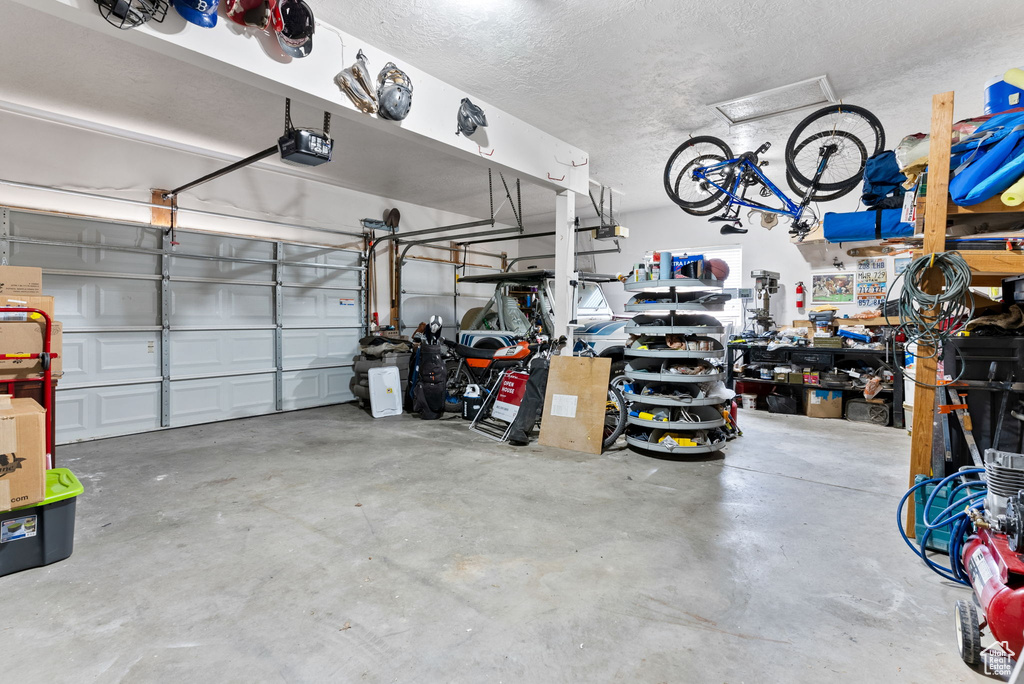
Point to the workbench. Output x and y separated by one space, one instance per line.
818 358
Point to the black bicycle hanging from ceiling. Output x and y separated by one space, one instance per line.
825 158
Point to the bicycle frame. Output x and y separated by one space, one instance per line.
742 165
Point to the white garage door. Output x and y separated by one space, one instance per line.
429 288
215 328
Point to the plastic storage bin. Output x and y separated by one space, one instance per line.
43 533
939 541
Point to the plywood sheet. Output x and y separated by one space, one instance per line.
574 404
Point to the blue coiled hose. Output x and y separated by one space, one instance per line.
954 516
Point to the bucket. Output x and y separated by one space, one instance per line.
749 401
472 402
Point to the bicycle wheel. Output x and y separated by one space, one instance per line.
694 196
854 132
614 417
816 196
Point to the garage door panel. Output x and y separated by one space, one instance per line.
216 304
428 276
320 277
67 229
205 268
85 259
103 302
211 399
321 255
224 246
319 347
417 309
201 352
96 412
110 356
308 388
221 342
310 306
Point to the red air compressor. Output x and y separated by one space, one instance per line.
997 577
992 559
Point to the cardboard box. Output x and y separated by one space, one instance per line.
820 403
21 280
43 302
27 338
796 378
22 452
811 377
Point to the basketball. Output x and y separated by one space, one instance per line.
718 268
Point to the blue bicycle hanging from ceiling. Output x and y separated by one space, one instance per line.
825 157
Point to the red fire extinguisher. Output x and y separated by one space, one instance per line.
800 297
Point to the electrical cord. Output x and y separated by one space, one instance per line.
958 521
929 320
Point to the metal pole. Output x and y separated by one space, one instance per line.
222 172
538 257
521 236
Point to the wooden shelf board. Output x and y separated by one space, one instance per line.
992 205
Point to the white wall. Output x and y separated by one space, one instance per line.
669 228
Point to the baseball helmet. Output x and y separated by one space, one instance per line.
199 12
259 14
394 93
297 25
470 116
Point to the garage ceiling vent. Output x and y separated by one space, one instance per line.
814 92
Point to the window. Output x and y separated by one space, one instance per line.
733 317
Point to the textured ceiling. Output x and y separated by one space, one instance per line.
626 80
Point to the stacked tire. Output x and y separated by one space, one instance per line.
360 382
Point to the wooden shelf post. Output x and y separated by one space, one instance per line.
936 203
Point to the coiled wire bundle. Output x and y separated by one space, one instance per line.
926 319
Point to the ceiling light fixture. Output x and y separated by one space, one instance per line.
813 92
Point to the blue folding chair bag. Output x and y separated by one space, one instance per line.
877 224
985 174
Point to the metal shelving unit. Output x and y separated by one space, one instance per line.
671 316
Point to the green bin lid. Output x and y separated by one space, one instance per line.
61 484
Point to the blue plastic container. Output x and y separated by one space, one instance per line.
1000 96
939 541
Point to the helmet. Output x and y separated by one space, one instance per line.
259 14
199 12
394 93
470 116
297 25
126 14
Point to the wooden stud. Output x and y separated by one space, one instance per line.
936 207
161 217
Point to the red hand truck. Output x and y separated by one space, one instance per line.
25 315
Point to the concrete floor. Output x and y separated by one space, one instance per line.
325 546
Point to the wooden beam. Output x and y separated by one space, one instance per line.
936 207
161 217
993 205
